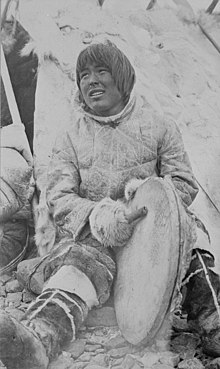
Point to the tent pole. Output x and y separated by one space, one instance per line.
209 37
9 91
212 6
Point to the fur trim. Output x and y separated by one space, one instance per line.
131 187
29 48
42 51
45 230
109 224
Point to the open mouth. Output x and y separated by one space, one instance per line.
96 93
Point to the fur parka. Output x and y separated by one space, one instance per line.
97 156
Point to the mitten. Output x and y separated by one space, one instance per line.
109 223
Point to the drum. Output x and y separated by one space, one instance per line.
149 267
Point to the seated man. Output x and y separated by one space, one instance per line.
15 195
114 138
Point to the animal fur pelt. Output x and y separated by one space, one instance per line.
45 229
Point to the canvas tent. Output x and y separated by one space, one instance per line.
176 64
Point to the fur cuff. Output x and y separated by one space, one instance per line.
109 224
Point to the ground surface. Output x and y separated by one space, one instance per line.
100 344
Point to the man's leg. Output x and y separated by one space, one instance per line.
50 322
79 277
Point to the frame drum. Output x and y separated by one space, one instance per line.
148 266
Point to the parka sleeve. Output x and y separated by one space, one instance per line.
69 210
173 160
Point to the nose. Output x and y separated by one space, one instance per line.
93 79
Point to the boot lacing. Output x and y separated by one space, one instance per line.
57 301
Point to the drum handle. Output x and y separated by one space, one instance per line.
137 214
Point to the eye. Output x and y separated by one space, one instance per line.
103 70
84 75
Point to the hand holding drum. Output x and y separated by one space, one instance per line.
112 222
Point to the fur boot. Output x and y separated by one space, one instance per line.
20 347
202 308
49 324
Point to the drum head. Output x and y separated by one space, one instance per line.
147 267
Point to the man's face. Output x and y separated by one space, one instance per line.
99 91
